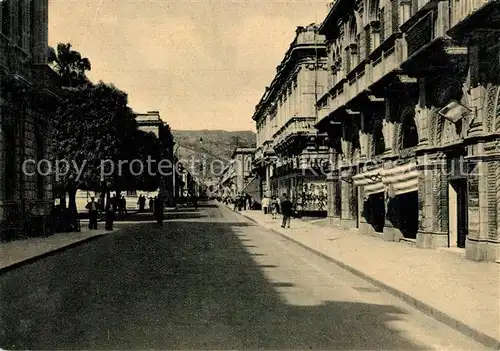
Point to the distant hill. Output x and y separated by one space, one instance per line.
214 147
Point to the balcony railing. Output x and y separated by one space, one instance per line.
462 8
421 33
294 126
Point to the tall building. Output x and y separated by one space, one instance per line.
291 157
412 110
152 123
28 91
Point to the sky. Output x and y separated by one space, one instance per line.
202 64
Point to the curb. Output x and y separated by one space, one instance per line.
35 258
442 317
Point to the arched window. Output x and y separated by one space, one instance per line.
378 137
409 130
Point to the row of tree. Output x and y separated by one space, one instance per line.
92 123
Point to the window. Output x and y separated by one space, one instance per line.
6 17
10 162
20 23
410 133
40 155
382 24
378 138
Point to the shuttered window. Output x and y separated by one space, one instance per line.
395 16
383 24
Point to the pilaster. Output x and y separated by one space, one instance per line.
433 202
348 216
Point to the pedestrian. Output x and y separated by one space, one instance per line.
195 202
286 211
142 203
110 213
93 208
152 204
124 204
265 204
158 210
274 207
249 203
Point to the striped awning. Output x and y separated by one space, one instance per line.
401 179
371 181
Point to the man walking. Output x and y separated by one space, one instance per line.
286 211
93 211
110 213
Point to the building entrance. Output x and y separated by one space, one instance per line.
457 213
374 211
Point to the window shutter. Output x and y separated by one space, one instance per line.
395 16
382 24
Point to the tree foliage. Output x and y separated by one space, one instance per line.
70 65
96 130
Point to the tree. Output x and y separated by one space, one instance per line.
70 65
92 125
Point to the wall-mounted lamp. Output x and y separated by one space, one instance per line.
454 111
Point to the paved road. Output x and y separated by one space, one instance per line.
207 280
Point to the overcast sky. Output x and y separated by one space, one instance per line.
202 64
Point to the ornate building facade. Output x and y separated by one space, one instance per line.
411 110
28 89
291 156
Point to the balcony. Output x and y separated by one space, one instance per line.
462 9
428 47
294 126
469 16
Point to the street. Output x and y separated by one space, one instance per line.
208 279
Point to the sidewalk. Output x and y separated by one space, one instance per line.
15 253
461 293
18 252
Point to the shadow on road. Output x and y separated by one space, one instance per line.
188 285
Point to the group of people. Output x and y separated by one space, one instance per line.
242 203
113 205
275 205
118 204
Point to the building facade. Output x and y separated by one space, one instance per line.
291 157
28 93
152 123
242 157
411 113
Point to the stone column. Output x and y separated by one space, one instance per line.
347 215
483 242
433 201
331 183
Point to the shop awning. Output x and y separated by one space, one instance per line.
401 179
253 188
371 181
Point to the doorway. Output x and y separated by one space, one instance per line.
457 213
374 211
